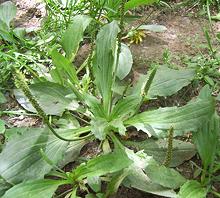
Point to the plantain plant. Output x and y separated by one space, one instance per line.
207 144
96 102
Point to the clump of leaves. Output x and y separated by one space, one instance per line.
207 144
98 107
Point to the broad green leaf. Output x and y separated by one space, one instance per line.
2 98
164 176
74 35
103 67
44 188
2 126
7 12
135 3
183 119
64 67
182 151
139 180
21 158
153 28
192 189
125 62
168 81
206 141
52 97
103 164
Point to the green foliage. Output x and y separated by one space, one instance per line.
182 151
209 133
182 119
74 35
34 189
106 115
7 13
21 158
102 165
125 62
164 176
78 107
53 98
192 189
168 81
104 62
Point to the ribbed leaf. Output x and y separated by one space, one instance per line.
168 81
164 176
44 188
21 159
104 61
187 118
139 180
182 151
102 165
74 35
52 97
206 141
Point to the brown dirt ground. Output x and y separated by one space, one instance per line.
184 37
